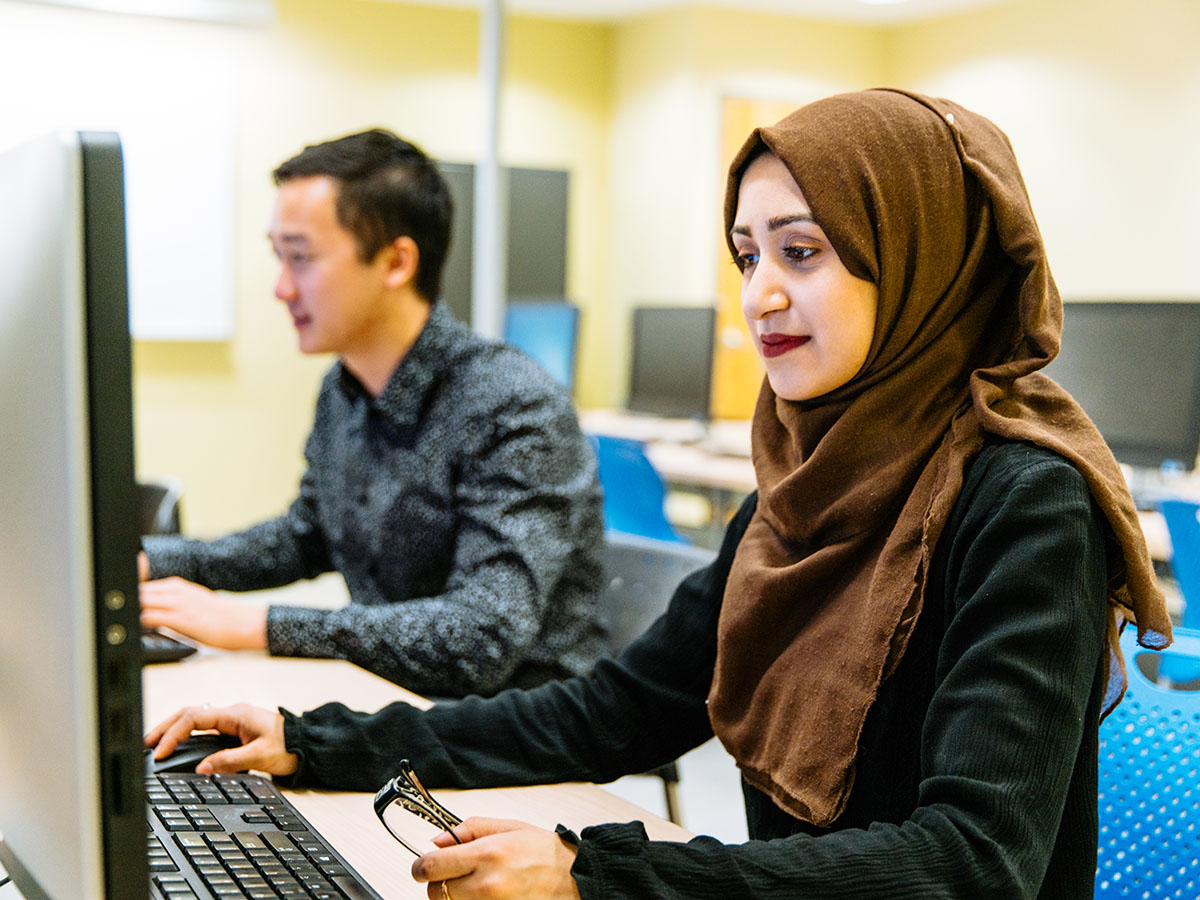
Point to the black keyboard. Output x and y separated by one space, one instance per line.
158 648
231 836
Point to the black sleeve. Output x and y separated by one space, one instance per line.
1015 675
627 715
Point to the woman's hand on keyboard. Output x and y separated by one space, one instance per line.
259 730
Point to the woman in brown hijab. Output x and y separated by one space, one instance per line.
909 635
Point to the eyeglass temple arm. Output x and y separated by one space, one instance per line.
407 791
447 819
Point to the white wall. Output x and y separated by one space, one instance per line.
1102 103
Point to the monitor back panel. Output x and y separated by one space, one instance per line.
66 798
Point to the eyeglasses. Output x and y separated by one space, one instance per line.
407 792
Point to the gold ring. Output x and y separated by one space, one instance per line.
446 892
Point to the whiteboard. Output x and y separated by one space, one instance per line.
174 109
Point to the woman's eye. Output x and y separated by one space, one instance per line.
745 260
799 254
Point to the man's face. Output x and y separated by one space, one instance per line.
335 299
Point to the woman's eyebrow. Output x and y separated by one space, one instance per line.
776 222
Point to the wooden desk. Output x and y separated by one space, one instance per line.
693 464
347 820
689 459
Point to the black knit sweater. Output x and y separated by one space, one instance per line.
976 772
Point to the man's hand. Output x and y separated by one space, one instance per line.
497 859
203 615
259 730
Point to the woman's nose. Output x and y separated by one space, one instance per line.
763 292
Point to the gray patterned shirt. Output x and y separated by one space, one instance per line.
462 508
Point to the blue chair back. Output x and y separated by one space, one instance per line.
634 493
1183 524
1149 799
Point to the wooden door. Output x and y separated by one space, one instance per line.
737 369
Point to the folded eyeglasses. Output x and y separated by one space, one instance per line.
407 792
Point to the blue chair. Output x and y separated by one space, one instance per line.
1149 799
1183 524
634 493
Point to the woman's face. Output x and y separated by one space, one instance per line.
812 321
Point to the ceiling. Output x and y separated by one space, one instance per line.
855 11
860 11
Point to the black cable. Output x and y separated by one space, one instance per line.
5 880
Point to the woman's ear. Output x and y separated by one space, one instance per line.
402 257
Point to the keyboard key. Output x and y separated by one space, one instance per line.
269 853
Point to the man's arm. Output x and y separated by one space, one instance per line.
528 522
271 554
179 576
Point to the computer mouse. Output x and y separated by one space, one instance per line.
189 752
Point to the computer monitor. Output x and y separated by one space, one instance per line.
548 331
670 373
1135 369
72 808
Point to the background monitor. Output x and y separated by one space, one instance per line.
72 809
548 331
1135 369
672 359
535 236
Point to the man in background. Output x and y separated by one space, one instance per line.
447 480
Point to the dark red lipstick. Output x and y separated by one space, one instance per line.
775 344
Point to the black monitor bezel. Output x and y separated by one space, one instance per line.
115 517
642 364
1150 454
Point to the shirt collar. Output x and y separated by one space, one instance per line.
404 394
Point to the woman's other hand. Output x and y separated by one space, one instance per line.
498 858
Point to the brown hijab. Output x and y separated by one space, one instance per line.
924 199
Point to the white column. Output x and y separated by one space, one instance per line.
489 270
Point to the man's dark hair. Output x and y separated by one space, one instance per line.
387 188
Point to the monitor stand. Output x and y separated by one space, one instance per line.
20 876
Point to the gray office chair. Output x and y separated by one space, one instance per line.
642 575
160 505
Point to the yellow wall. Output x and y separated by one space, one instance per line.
672 71
1100 100
230 418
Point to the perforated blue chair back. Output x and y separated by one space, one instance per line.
634 493
1149 799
